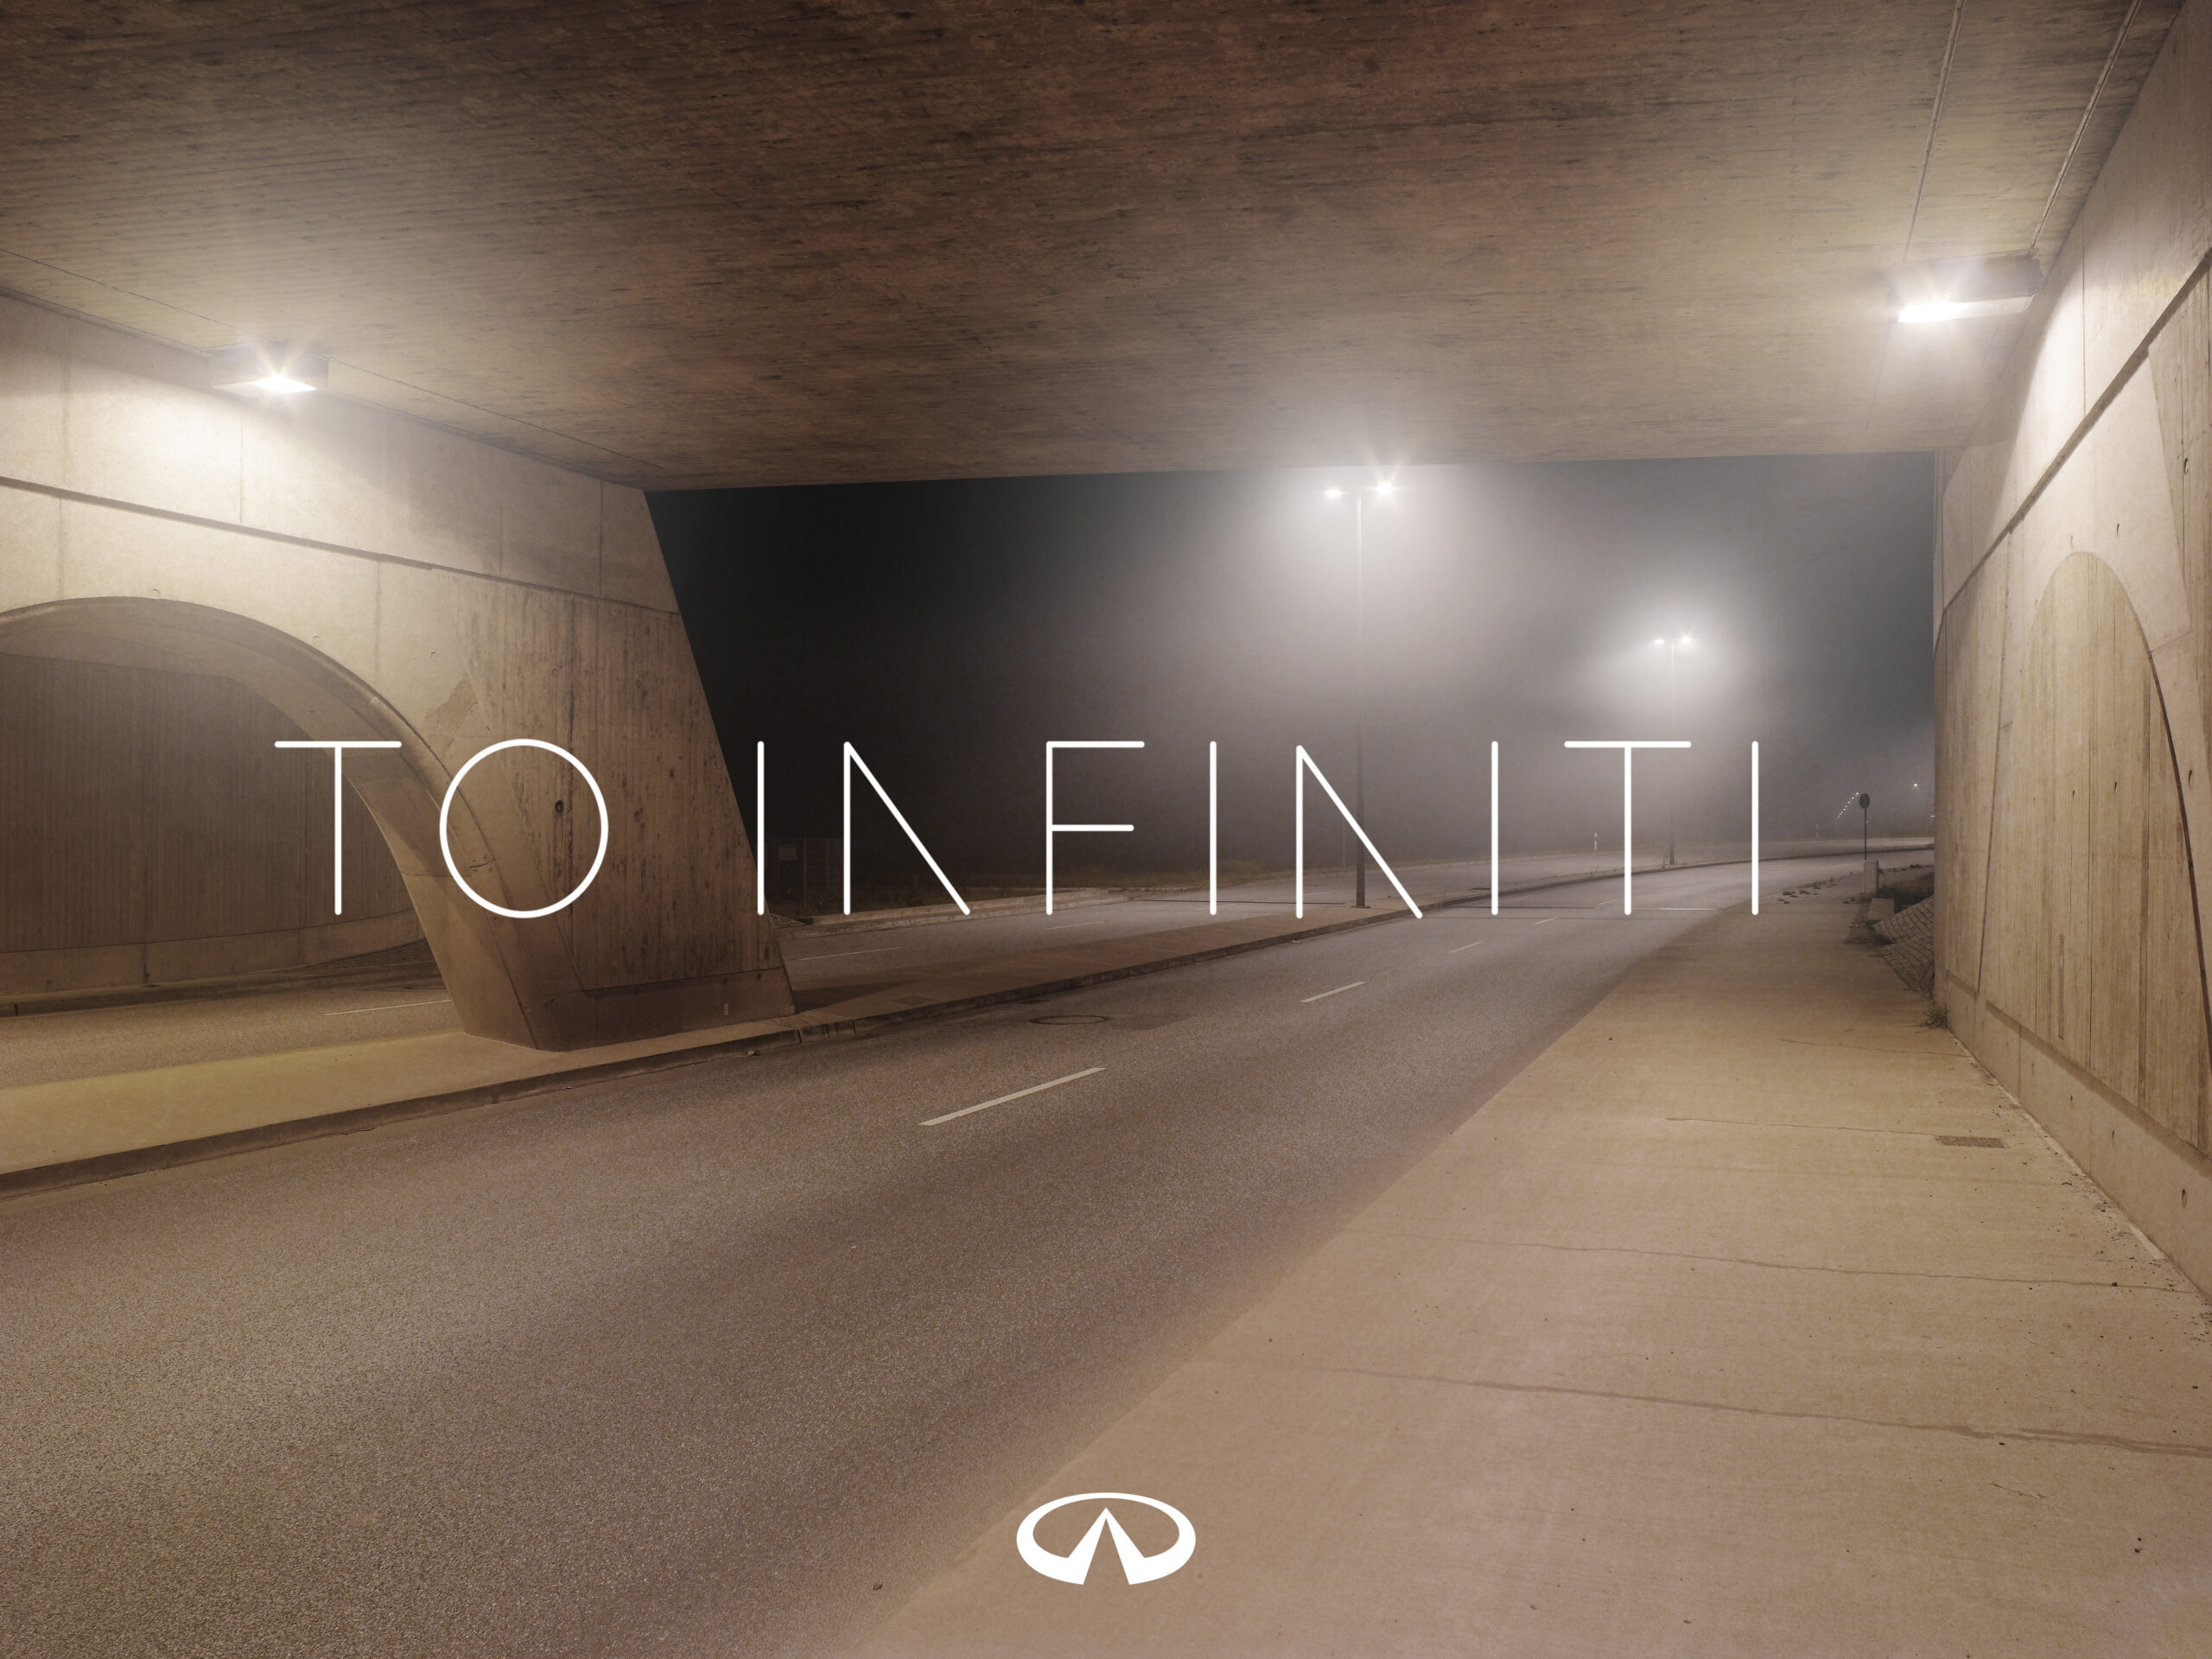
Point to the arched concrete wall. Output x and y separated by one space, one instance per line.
372 577
154 836
2074 594
2090 940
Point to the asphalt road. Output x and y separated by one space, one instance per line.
720 1361
275 1017
821 964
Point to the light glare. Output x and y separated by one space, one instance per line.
1956 310
269 368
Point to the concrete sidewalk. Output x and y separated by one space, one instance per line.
1751 1319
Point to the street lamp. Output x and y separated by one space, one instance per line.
1382 491
1673 787
1862 801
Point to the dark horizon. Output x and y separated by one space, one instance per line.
949 629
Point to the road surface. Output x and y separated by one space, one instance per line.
720 1361
275 1017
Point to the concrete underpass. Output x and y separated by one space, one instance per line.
447 1212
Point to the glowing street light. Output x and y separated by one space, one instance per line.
1671 647
1383 491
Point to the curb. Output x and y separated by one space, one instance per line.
872 921
139 1161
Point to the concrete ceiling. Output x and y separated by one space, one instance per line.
728 244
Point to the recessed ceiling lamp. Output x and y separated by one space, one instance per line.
1951 290
1956 310
279 370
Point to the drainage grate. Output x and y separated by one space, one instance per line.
1967 1140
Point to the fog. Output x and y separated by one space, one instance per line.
947 630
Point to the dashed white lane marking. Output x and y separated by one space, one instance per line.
1457 949
1546 922
331 1012
1035 1089
1354 986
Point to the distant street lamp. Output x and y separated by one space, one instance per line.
1672 786
1385 490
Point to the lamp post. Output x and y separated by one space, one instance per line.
1385 490
1672 785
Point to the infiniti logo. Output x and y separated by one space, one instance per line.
1137 1566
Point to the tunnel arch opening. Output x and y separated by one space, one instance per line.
488 970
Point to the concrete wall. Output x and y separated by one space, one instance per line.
372 577
2074 596
155 835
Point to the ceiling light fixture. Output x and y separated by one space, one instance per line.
1957 291
273 368
1957 310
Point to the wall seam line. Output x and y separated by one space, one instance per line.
2095 1085
2195 909
1997 746
286 539
2125 373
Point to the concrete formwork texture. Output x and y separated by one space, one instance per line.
2074 573
375 580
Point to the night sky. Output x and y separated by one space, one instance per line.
949 629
